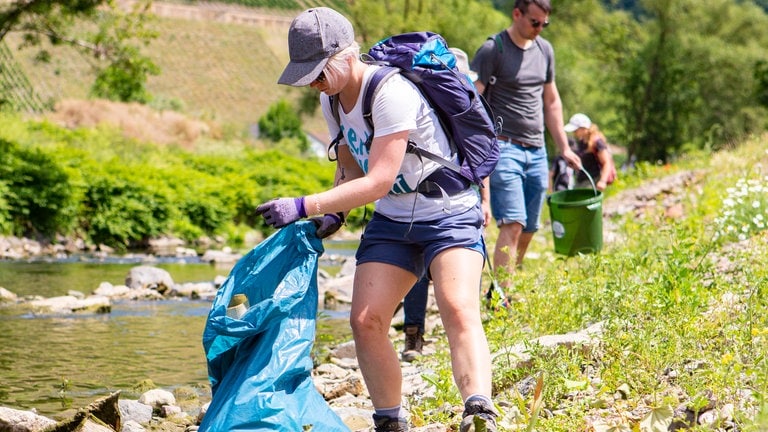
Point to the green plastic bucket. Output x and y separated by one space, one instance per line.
577 221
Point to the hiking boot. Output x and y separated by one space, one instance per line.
414 342
389 424
479 416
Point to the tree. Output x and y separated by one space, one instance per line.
281 121
761 75
113 47
374 20
681 77
654 108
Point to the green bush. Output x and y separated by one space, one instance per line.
122 208
5 208
38 199
201 198
101 186
282 122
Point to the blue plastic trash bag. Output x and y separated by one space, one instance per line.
259 364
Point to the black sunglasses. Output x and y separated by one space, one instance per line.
537 23
320 78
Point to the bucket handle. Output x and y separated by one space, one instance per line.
594 188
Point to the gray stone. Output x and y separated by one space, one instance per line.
12 420
157 398
132 426
142 277
131 410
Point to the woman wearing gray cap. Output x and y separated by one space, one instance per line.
410 233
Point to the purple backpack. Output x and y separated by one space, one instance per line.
424 58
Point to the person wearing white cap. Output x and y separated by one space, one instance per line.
462 64
516 73
409 234
592 148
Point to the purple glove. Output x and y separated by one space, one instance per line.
328 224
281 211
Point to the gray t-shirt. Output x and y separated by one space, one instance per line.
517 95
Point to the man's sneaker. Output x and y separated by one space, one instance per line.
414 342
479 416
389 424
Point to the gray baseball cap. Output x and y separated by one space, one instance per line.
315 35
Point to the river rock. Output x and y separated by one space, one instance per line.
71 304
195 290
156 398
131 410
7 296
12 420
225 256
103 415
143 277
132 426
108 290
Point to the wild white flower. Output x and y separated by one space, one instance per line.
741 208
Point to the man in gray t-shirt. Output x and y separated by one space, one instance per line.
516 72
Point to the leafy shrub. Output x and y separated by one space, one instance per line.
202 199
5 208
121 192
280 122
122 208
38 199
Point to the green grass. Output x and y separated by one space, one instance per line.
683 307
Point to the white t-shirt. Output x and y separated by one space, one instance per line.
399 106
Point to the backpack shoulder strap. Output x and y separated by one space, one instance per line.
334 103
499 43
371 90
496 62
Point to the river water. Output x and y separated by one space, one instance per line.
55 364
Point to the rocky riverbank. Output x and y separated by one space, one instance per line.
339 381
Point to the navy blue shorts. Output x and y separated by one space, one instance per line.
413 246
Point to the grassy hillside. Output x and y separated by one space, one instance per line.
220 71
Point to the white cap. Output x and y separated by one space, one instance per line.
578 121
462 63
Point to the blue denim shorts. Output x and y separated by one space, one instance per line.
413 246
519 185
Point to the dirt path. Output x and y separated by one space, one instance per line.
666 191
